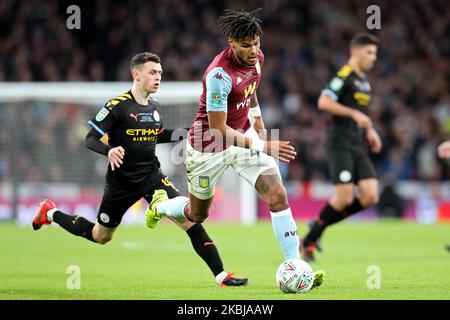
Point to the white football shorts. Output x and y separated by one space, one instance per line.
204 168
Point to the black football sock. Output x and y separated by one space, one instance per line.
355 207
76 225
205 248
327 216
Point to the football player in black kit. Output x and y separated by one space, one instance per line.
134 127
444 153
347 98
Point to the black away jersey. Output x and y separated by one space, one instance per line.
352 91
135 127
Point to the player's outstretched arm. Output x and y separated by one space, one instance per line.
326 103
281 150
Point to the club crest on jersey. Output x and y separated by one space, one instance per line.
101 115
363 86
203 181
156 116
248 74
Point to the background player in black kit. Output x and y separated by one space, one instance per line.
133 125
347 97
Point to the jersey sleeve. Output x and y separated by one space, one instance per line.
335 87
105 118
218 87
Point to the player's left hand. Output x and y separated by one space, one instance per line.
374 140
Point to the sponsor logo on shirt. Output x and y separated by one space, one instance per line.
250 89
145 116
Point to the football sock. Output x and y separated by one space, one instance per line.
286 233
355 207
221 276
205 248
50 214
327 217
173 207
76 225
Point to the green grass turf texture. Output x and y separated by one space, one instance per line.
140 263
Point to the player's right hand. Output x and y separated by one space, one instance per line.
115 157
281 150
444 150
362 120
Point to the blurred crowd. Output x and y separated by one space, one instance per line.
305 42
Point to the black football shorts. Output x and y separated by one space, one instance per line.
349 165
119 197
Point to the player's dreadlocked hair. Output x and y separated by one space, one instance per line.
240 25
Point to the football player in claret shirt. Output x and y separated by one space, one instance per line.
134 127
222 136
347 98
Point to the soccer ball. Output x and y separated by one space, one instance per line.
294 275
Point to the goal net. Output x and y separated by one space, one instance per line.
42 131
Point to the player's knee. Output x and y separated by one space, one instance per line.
198 218
345 200
369 200
103 239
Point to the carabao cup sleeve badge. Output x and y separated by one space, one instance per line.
101 115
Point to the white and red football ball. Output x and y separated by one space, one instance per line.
294 275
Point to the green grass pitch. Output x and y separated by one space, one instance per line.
140 263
